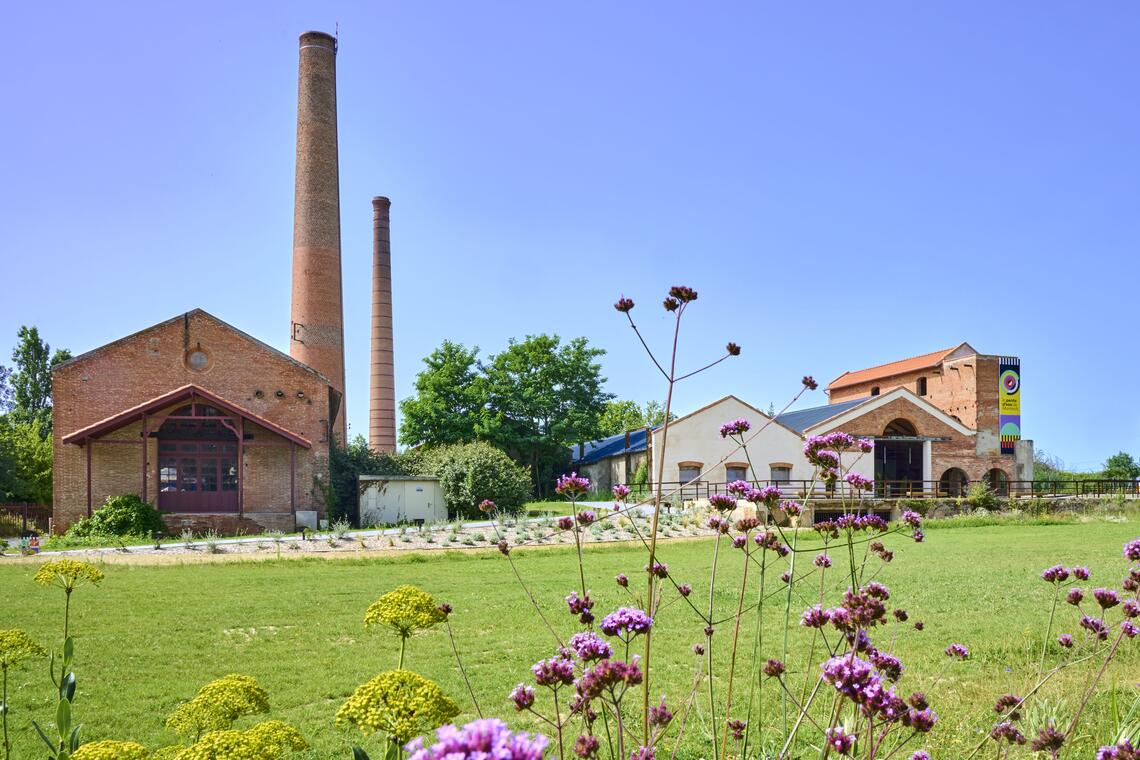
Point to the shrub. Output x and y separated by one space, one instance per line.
472 472
981 496
126 515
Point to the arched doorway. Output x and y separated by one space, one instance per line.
197 461
998 481
898 459
953 482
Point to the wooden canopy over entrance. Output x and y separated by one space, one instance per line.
200 450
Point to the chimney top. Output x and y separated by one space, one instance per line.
381 200
318 39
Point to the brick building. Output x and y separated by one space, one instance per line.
203 421
934 419
961 383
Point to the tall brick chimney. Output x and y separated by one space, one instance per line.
382 407
317 336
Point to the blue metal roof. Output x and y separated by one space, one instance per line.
802 419
604 448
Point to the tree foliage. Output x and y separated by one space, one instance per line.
543 396
533 400
450 398
31 378
347 463
25 461
1121 466
620 415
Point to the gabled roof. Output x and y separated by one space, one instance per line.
737 399
192 313
613 446
892 369
863 406
184 393
801 419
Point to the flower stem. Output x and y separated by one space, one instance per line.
732 658
462 670
649 597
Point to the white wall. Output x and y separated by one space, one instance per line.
696 438
384 501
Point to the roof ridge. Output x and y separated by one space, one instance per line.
940 354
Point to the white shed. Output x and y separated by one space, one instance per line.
394 499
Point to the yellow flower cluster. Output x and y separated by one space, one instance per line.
400 703
218 704
265 741
67 574
15 645
111 750
404 610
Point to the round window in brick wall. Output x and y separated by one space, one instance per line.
197 359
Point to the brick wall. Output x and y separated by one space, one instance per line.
241 370
959 450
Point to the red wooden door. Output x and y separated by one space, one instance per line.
197 476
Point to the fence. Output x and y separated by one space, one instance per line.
898 489
32 517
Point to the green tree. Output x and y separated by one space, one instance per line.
543 396
619 416
5 390
450 399
25 461
31 380
1121 466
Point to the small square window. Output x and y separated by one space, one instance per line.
781 474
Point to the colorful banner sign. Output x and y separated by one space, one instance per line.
1009 402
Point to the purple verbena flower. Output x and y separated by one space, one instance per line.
1006 731
1065 640
1049 739
738 488
736 427
479 738
622 580
1075 596
1055 574
684 589
957 651
660 715
586 517
555 672
736 728
822 561
1107 598
589 646
1080 572
1132 550
486 506
839 740
572 485
621 491
774 668
859 482
624 305
1095 626
814 617
625 623
523 696
722 501
565 523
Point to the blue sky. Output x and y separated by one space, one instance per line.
844 184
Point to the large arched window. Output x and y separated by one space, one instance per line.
900 426
953 482
998 481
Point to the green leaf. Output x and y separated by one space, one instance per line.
359 754
68 651
67 689
63 718
73 742
49 742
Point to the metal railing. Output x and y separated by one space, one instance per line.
34 515
897 489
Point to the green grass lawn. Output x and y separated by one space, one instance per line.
151 635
